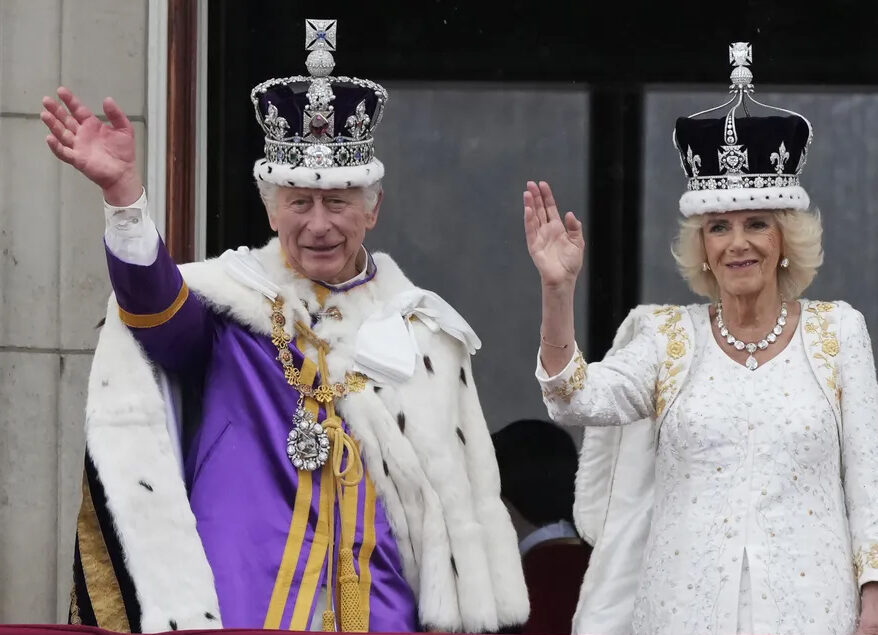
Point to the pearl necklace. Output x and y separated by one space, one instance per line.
751 347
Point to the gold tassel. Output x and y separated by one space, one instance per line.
328 621
352 619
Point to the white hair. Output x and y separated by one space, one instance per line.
371 193
802 234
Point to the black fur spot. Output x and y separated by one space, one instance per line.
386 469
105 383
291 184
368 170
263 162
317 176
101 323
259 176
209 616
400 419
377 389
173 625
463 375
454 566
350 183
269 169
146 485
461 436
428 364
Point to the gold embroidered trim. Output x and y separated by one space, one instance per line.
866 558
150 320
564 391
818 326
324 393
678 341
75 619
102 586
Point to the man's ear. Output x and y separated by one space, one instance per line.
271 220
372 217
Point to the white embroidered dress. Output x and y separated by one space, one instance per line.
758 490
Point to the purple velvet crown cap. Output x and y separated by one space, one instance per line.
736 163
319 129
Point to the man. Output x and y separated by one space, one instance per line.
340 475
538 462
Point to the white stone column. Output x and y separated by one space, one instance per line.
53 280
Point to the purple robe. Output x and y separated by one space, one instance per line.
256 515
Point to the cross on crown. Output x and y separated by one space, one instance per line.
320 34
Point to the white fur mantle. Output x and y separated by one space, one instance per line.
425 443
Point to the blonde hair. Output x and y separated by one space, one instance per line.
802 234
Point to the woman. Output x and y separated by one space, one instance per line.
762 456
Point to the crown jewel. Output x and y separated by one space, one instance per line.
319 121
728 154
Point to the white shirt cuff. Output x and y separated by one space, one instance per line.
566 383
543 376
131 234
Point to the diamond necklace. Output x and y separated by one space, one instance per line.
751 347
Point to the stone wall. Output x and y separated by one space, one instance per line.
53 281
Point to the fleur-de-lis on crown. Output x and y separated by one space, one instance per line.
779 158
358 123
275 125
693 160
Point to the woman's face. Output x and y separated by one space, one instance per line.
743 250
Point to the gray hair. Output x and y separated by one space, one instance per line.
371 193
802 234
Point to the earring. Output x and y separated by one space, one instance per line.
785 263
705 266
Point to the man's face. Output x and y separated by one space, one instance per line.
321 231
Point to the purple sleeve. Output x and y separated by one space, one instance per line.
172 324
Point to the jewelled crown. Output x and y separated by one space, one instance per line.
747 162
319 128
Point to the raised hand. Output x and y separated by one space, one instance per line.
104 152
555 246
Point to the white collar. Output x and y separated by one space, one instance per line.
560 529
364 271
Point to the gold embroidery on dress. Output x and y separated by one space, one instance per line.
678 341
564 391
866 558
818 325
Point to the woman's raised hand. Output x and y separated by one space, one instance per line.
104 152
556 246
